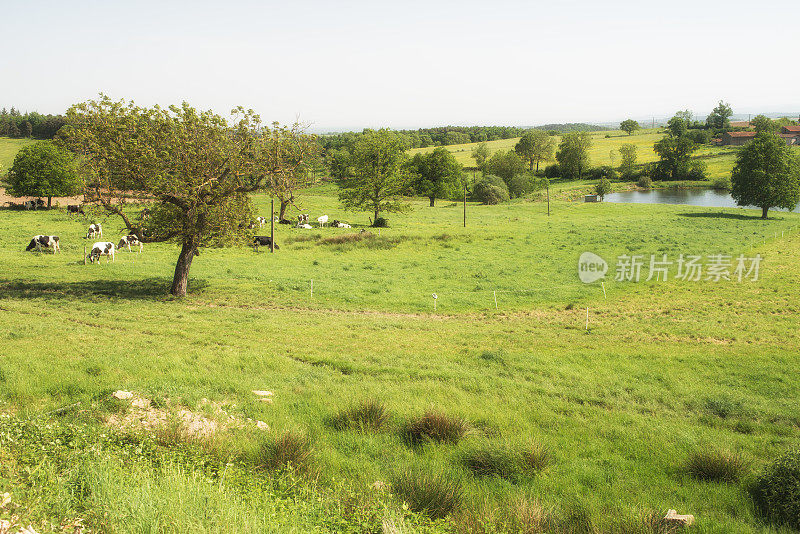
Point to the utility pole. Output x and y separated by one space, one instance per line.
465 204
272 226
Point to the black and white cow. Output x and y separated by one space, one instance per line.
102 248
75 208
44 241
263 241
34 204
128 240
261 221
95 230
302 219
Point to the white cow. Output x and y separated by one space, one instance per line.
322 220
95 230
44 241
305 226
261 221
128 240
102 248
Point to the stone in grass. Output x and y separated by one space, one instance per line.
674 516
262 393
261 425
123 395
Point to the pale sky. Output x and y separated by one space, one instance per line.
406 64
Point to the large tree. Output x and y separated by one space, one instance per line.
504 164
573 154
628 153
480 154
629 126
766 175
535 146
195 167
436 174
373 176
43 170
719 118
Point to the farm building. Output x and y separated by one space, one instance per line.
789 134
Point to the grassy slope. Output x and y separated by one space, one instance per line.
8 149
618 408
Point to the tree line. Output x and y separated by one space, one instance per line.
31 124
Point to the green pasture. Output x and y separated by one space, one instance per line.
9 149
665 369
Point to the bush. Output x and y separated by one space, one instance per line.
645 182
552 171
381 222
776 492
603 187
435 426
434 494
368 415
698 170
716 466
491 190
723 183
288 450
521 185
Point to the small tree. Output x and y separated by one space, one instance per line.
628 153
43 170
535 146
629 126
766 175
505 164
438 174
762 123
719 118
374 178
480 154
603 187
573 154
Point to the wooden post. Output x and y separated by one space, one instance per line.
548 197
272 226
84 254
465 204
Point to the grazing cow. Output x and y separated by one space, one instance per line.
144 214
128 240
75 208
44 241
102 248
322 220
95 230
302 219
263 241
30 205
261 221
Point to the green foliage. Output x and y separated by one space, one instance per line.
645 182
675 152
490 189
723 183
776 492
437 174
719 118
376 178
504 164
762 123
766 175
573 154
521 185
480 154
435 426
629 126
500 460
370 415
603 187
290 450
628 153
436 494
716 466
535 146
43 170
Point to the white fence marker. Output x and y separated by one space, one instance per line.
587 319
604 289
495 299
312 288
435 298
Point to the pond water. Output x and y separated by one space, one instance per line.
711 198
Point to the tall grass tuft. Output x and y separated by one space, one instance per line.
370 415
776 492
434 494
491 459
716 466
435 426
289 450
518 516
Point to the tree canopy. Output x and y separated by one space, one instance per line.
719 118
766 175
573 154
480 154
372 175
505 164
762 123
535 146
628 153
195 166
629 126
43 170
437 174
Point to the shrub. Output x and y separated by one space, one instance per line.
776 492
645 182
716 466
603 187
722 183
365 416
520 185
434 494
697 170
287 450
552 171
491 190
723 406
435 426
381 222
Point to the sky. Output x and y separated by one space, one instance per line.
348 65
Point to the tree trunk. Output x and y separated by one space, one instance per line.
49 202
764 211
375 220
181 279
432 199
284 205
537 165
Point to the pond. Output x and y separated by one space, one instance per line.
711 198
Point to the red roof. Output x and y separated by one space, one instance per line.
740 124
789 135
741 134
792 128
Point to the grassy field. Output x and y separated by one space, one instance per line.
9 149
665 370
